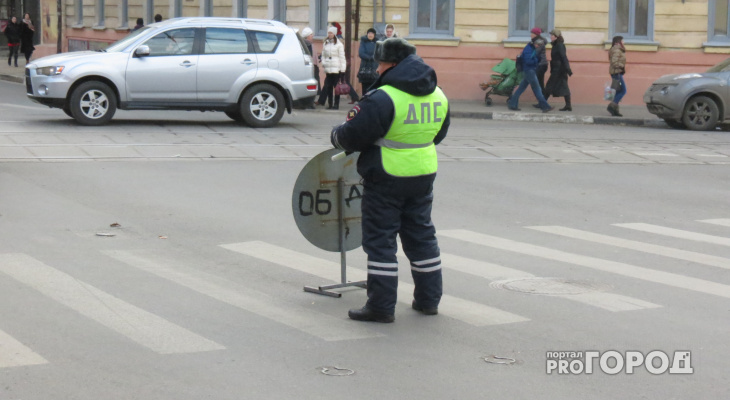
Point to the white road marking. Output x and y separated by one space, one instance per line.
650 275
467 311
15 354
677 233
136 324
719 221
665 251
309 321
607 301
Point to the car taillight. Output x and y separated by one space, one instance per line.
311 87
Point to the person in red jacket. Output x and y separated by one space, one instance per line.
12 32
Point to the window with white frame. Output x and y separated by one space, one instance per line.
719 21
79 12
241 10
321 9
100 9
279 10
124 14
432 17
632 19
527 14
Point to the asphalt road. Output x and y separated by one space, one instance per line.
554 238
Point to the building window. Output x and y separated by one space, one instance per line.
632 19
100 6
279 10
321 8
124 14
79 12
432 17
527 14
241 8
719 21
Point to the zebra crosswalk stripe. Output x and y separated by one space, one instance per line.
607 301
309 321
650 275
15 354
467 311
136 324
677 233
718 221
665 251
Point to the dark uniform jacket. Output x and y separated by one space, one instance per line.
371 119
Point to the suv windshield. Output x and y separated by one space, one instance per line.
721 67
123 43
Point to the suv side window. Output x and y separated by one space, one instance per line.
265 42
226 41
172 42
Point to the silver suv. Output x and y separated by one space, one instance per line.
250 69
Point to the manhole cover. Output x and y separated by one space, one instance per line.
549 286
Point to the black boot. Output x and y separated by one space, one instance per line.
366 314
425 310
612 108
567 104
616 112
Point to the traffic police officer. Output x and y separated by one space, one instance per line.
396 127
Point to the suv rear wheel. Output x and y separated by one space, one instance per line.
93 103
262 106
700 114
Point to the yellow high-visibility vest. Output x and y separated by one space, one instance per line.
407 149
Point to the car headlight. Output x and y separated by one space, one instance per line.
687 76
665 90
48 71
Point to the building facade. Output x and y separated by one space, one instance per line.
461 39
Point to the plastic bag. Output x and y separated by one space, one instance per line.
608 92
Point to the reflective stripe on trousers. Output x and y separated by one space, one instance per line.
383 218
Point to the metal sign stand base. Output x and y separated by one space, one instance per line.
324 290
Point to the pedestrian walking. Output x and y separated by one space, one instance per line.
27 34
354 97
542 65
617 69
308 36
367 74
557 84
12 33
334 64
396 128
529 61
140 24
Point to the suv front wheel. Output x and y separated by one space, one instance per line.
262 106
92 103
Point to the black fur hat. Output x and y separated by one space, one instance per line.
393 50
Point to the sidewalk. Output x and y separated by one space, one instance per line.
476 109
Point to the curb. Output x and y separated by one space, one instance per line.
12 78
564 119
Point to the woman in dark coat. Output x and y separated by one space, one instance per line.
557 84
12 32
368 66
27 31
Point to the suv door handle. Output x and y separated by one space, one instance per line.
248 61
186 64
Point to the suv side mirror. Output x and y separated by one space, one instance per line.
142 51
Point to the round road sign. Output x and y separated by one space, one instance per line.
316 199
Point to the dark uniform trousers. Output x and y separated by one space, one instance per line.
383 217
